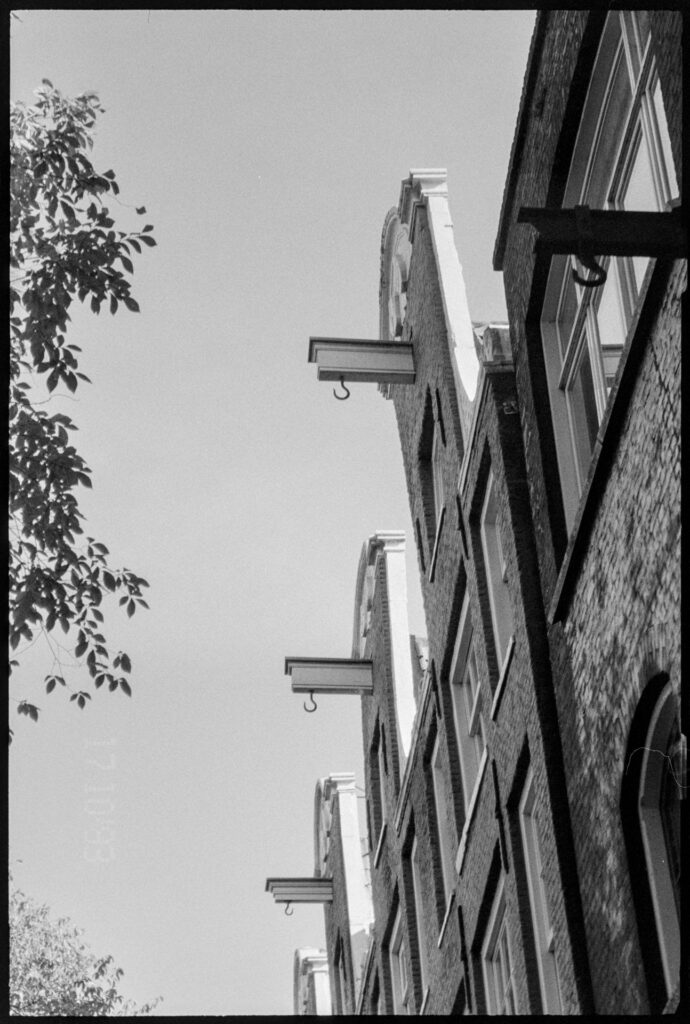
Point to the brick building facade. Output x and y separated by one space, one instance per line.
524 763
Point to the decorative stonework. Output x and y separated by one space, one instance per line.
428 189
390 545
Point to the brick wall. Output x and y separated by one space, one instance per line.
623 592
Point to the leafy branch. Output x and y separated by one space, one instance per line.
63 245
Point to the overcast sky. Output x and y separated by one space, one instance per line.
267 148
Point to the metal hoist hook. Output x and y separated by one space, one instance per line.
289 910
583 223
591 264
311 698
342 398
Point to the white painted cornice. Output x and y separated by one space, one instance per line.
428 188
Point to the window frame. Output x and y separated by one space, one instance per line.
340 980
496 572
436 464
416 874
466 714
653 834
579 401
447 840
468 718
493 965
399 969
542 925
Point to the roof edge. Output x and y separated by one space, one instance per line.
531 74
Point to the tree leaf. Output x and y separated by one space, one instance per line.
124 685
148 240
64 245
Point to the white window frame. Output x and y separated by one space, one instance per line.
466 696
653 838
419 916
444 826
381 756
497 960
341 993
604 154
539 904
400 980
493 548
437 473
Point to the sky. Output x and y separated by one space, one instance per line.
267 148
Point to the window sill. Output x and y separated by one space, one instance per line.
446 919
437 544
379 845
502 678
474 800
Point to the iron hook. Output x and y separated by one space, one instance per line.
289 910
342 398
591 264
583 224
311 697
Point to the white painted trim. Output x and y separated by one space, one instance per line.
437 542
429 188
503 676
379 845
425 1000
366 967
462 848
446 919
407 772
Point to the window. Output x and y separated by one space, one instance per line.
497 961
378 765
419 915
653 781
437 473
398 967
539 906
340 980
382 766
431 450
444 826
621 160
376 998
659 811
496 573
467 705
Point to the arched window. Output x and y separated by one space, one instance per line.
650 804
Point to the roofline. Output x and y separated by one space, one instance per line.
531 74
